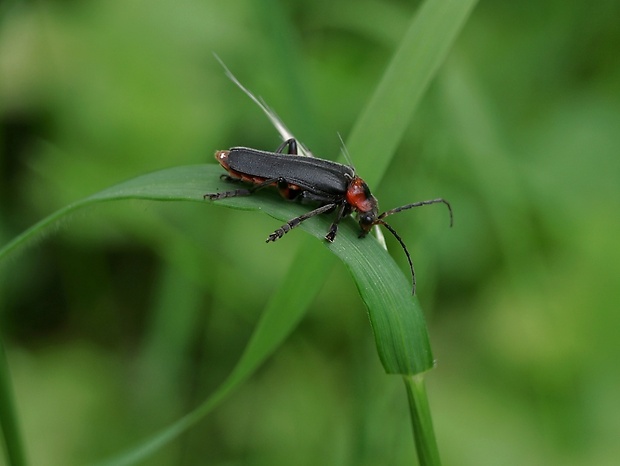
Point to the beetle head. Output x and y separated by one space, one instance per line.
363 202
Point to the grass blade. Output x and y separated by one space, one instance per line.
421 421
15 455
398 325
377 277
379 129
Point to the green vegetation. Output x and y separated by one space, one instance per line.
123 317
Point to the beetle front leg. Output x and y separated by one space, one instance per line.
333 228
288 226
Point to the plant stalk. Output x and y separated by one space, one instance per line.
421 421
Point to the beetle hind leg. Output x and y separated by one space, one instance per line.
239 192
290 144
225 194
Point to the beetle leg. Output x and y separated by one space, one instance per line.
288 191
288 226
333 229
291 144
230 179
240 192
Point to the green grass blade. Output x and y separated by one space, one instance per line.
275 325
396 318
378 131
421 421
15 455
378 278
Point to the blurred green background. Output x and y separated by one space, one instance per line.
132 313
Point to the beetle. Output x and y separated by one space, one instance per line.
331 185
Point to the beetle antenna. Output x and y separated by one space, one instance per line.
418 204
345 152
402 244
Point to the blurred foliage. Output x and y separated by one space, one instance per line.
132 313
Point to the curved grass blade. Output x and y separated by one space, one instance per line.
403 347
373 144
379 280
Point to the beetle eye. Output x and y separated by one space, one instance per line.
366 220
